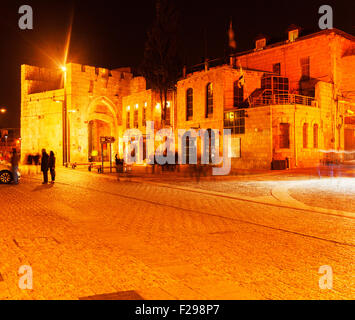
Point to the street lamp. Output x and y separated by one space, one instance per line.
6 142
66 154
3 110
18 143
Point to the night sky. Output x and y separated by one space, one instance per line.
112 33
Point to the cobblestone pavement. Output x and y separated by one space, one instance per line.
305 186
89 235
331 193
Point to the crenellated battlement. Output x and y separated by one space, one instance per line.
89 95
37 79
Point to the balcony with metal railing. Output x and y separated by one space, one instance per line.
280 99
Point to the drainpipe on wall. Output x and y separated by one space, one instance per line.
271 137
340 126
294 136
335 94
65 115
173 107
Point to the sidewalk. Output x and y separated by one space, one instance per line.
298 189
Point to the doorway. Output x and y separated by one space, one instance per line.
97 129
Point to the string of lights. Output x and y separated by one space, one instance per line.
46 114
54 98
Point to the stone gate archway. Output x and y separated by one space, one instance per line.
102 122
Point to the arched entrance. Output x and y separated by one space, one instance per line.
97 129
102 122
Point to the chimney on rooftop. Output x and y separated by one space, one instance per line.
293 33
260 42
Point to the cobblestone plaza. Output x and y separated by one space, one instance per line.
169 237
178 157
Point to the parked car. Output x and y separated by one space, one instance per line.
6 174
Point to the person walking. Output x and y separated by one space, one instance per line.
44 166
51 165
14 166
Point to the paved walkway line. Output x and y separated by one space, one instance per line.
280 199
282 194
271 202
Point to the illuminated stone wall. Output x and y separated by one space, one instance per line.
327 50
99 100
260 144
347 74
41 123
93 94
222 79
147 101
256 149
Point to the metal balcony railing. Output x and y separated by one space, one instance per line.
283 99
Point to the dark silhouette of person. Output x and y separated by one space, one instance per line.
14 166
36 159
29 159
51 165
119 164
44 166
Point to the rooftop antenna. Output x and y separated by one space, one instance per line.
232 44
206 48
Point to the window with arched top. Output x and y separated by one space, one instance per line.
189 104
144 116
315 136
167 113
128 120
135 118
305 135
209 100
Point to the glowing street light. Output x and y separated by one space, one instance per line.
66 145
3 110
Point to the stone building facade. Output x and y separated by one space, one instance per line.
146 106
286 104
87 99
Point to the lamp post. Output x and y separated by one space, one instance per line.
65 119
6 143
19 140
69 124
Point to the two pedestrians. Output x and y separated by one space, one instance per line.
48 163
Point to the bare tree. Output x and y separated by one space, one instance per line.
161 64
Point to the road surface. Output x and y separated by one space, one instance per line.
88 235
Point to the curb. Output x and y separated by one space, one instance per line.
280 201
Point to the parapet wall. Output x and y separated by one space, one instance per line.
36 79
